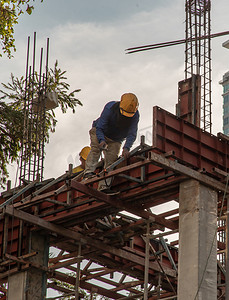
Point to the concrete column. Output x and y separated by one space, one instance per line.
31 284
197 269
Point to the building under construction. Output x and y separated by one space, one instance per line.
63 234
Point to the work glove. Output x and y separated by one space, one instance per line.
103 145
125 153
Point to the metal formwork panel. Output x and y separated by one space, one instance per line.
191 145
188 106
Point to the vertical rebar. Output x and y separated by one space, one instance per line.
32 153
198 53
77 292
32 139
37 112
24 110
227 256
146 275
44 112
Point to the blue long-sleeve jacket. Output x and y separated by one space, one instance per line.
108 125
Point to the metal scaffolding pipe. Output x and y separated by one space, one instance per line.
227 247
77 292
146 276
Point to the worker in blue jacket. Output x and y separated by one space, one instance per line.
117 122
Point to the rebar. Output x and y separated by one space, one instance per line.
35 95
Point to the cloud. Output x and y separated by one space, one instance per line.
96 62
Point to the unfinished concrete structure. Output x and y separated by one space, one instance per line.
103 249
97 247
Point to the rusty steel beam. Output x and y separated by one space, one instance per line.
117 171
138 225
112 200
78 213
66 291
14 270
181 169
88 204
127 285
70 234
83 212
124 269
88 286
87 275
97 274
135 244
64 264
21 258
18 194
119 202
29 200
54 260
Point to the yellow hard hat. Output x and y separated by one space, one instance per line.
128 104
84 152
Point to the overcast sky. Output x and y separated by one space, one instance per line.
89 38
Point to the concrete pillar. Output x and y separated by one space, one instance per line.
31 284
197 269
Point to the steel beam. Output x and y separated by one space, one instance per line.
163 162
119 202
19 193
70 234
88 286
112 200
117 171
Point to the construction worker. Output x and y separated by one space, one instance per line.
83 156
117 122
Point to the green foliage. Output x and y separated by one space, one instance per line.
56 82
11 122
12 112
10 11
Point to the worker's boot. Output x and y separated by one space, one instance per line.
109 191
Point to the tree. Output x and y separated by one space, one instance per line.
10 11
10 136
12 114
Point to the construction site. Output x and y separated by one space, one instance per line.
65 235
